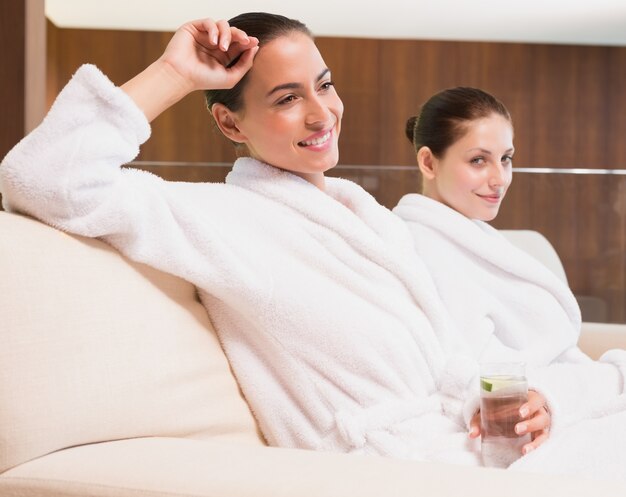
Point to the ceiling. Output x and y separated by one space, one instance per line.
588 22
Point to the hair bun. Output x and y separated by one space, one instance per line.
410 128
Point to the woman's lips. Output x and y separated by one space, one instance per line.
492 199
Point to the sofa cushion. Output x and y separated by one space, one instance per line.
539 247
159 467
597 338
95 348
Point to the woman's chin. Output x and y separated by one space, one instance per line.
490 216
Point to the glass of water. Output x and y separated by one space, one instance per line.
503 390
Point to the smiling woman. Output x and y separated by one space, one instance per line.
463 141
309 282
506 305
285 112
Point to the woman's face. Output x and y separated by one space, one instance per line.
291 115
475 172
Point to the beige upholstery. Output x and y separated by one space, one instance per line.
96 349
597 338
185 468
592 308
539 247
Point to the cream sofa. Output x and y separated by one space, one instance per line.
533 242
113 383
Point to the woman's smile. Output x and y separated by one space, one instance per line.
492 198
318 141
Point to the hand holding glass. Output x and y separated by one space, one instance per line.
503 390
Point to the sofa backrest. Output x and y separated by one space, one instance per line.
95 348
539 247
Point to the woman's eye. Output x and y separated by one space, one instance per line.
288 99
326 86
477 161
508 159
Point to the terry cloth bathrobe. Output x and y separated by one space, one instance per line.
335 334
509 306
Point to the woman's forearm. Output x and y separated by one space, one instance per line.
157 88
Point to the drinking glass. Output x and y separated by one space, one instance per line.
503 390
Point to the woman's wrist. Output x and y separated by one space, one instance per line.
156 88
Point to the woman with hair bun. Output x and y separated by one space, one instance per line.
329 325
506 304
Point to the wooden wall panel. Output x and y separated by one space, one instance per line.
183 133
22 70
615 88
359 88
12 73
35 64
585 220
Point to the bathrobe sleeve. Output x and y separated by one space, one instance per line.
576 387
68 173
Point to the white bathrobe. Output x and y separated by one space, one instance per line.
509 306
334 331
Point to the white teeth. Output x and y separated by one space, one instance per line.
316 141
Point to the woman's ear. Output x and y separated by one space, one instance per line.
226 121
427 163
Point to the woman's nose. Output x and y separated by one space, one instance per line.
497 176
317 112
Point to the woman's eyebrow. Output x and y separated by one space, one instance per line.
295 86
488 152
483 150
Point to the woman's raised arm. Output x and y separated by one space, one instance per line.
198 57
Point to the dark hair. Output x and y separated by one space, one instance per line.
444 117
266 27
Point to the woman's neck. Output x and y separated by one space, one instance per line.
316 179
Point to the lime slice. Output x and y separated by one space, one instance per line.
486 385
494 384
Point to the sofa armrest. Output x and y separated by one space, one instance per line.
167 467
597 338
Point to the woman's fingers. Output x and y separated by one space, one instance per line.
537 441
536 421
245 60
217 34
474 427
225 35
239 36
540 421
210 27
205 54
535 402
204 31
222 42
237 50
241 65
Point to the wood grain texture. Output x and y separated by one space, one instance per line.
12 73
35 64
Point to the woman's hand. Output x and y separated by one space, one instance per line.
202 52
202 55
535 419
